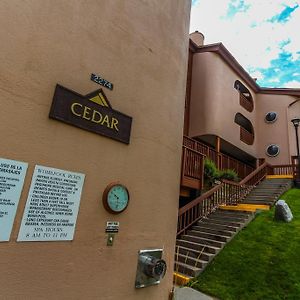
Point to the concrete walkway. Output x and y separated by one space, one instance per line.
186 293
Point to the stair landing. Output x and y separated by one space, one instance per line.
245 207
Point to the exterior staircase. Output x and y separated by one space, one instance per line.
196 248
204 240
268 191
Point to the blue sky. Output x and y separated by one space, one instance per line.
263 35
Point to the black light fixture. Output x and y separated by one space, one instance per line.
296 123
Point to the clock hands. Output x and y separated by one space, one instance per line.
115 196
117 204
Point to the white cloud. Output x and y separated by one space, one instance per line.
292 84
252 39
256 74
274 80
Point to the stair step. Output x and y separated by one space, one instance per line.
212 231
217 226
271 196
251 208
197 246
230 218
259 202
213 220
244 215
264 194
191 261
199 254
261 198
267 189
203 241
214 237
186 269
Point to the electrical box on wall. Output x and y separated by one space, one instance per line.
150 269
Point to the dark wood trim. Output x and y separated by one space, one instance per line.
188 95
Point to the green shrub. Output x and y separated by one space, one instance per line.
228 174
211 172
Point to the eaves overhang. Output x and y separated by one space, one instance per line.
228 58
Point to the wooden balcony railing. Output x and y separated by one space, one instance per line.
200 147
223 161
282 169
246 136
246 103
192 169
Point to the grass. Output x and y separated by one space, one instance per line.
262 262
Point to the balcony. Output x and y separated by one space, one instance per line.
192 168
247 103
246 136
222 160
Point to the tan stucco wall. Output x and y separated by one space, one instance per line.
293 111
215 101
274 133
140 46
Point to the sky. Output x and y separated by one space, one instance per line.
262 35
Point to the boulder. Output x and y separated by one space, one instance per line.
283 212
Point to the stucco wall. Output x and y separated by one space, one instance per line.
293 111
140 46
215 101
281 131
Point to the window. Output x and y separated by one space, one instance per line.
271 117
272 150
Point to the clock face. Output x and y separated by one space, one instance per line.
115 198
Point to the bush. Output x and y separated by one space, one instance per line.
228 174
211 172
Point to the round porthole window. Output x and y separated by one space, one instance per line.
271 117
273 150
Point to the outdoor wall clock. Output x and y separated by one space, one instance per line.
115 198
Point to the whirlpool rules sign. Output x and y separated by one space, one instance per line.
52 205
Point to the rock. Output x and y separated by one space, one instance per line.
282 211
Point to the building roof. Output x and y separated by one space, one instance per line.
228 58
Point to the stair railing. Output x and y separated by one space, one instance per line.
226 193
198 208
257 175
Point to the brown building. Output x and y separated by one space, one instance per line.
140 48
228 110
92 94
239 126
